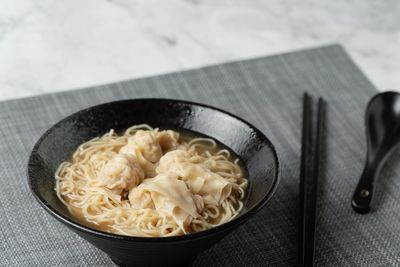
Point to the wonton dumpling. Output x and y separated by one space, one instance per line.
148 147
121 173
144 143
168 195
170 158
201 181
168 140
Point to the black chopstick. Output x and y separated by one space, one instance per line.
309 172
304 173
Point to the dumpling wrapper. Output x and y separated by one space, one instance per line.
120 173
201 181
148 147
168 140
170 196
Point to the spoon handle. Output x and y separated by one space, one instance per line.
363 194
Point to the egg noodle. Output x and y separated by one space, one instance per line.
151 183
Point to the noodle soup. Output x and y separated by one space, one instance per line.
150 182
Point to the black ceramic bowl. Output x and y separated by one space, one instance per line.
57 144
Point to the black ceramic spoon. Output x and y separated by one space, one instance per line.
382 119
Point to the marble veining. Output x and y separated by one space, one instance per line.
49 45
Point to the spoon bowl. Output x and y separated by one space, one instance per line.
382 120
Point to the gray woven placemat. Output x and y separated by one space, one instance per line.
266 92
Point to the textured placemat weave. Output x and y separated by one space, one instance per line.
266 92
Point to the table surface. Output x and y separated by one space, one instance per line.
48 46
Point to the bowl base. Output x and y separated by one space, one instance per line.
183 264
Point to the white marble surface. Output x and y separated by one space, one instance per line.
50 45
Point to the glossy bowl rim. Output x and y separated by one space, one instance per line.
186 237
